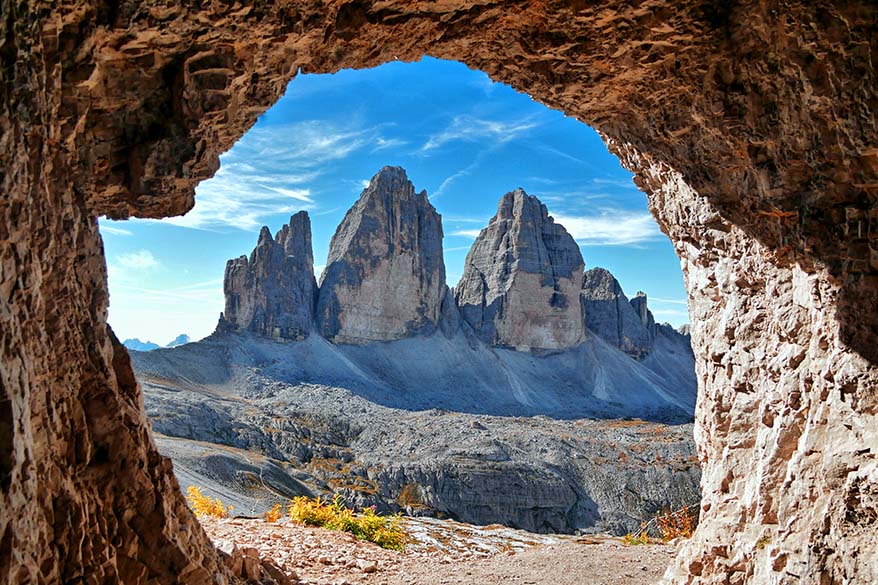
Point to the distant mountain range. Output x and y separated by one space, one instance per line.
137 345
487 402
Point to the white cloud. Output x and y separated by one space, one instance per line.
456 248
668 301
140 260
611 228
466 233
472 129
115 231
269 171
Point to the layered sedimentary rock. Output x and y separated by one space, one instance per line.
274 291
610 315
521 280
385 275
751 128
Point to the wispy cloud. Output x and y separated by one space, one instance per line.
271 170
611 228
669 313
668 301
140 260
456 248
382 143
115 231
472 129
466 233
462 219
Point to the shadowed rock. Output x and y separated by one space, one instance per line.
385 275
610 315
273 292
521 282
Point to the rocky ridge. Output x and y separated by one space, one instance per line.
273 292
522 288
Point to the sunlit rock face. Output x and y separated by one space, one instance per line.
273 292
385 275
522 277
751 129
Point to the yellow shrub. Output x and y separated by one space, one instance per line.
385 531
679 524
205 505
274 514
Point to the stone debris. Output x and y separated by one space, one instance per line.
455 552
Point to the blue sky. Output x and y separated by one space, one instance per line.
460 136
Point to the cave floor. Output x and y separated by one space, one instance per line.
459 555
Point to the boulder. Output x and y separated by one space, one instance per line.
522 278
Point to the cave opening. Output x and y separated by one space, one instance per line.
470 143
751 129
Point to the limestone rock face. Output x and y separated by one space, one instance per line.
522 277
385 275
273 292
610 315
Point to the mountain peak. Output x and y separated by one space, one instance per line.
522 279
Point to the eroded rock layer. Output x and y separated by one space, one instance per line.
521 279
751 126
273 293
385 276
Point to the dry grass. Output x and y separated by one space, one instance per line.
385 531
667 526
274 514
205 505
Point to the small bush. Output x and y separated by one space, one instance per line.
205 505
274 514
679 524
668 525
385 531
639 537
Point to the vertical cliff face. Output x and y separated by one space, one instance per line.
521 280
385 275
273 292
610 315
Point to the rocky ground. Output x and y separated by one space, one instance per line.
441 552
238 419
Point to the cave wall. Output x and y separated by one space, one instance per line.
751 128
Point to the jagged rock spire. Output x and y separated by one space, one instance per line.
273 292
521 282
385 274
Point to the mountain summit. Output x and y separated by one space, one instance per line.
521 283
385 275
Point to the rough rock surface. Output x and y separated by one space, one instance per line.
274 291
385 275
752 129
439 552
609 314
521 279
